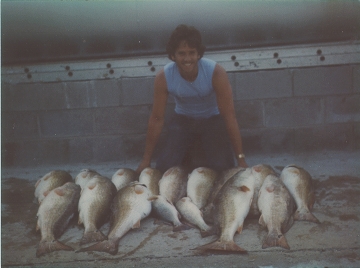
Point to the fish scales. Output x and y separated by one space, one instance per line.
122 177
300 185
276 206
84 176
129 207
151 177
54 214
173 184
193 215
50 181
94 207
232 205
200 184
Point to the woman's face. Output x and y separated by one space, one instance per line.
186 58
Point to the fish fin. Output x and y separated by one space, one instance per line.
139 189
257 168
243 188
37 227
37 183
270 189
239 229
212 231
275 240
45 194
261 221
223 246
121 172
109 246
47 247
48 176
153 198
305 216
168 172
92 186
295 170
136 225
181 227
92 236
171 203
59 191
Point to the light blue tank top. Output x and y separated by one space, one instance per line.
195 99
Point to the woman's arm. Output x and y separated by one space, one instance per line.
156 120
225 103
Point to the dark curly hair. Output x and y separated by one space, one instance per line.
186 33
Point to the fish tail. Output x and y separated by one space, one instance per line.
223 246
305 216
92 236
47 247
181 227
108 246
211 231
275 240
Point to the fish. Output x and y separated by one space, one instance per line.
53 216
50 181
167 211
300 185
94 207
173 184
123 177
130 205
260 171
276 206
84 176
193 215
199 185
223 178
232 205
151 177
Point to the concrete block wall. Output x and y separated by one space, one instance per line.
283 110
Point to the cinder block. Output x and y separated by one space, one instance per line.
356 78
341 109
294 112
322 81
122 120
329 137
356 136
107 92
32 97
79 94
249 114
134 146
263 84
19 125
108 149
277 140
36 152
66 123
89 94
137 91
232 80
251 140
81 150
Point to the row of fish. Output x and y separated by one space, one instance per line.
214 203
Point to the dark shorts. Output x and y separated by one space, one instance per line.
210 133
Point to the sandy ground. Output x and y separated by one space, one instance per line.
333 243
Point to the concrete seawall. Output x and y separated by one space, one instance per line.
90 120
